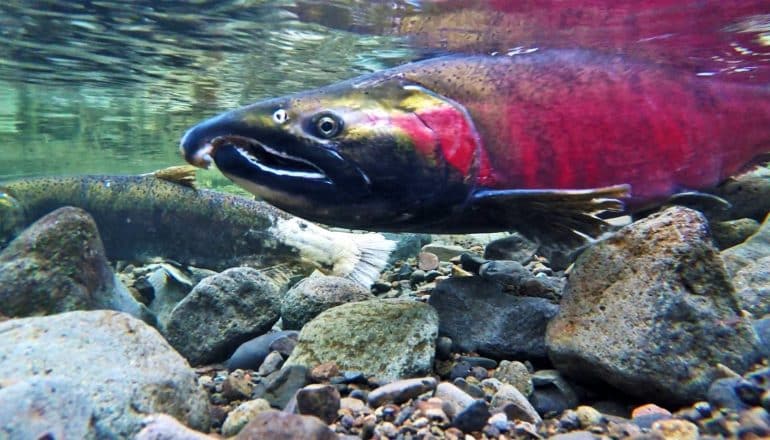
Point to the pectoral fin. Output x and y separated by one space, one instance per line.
561 218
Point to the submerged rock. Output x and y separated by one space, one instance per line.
58 265
221 312
479 317
389 339
752 284
652 312
313 295
251 354
119 370
754 248
273 424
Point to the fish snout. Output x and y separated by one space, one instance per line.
196 148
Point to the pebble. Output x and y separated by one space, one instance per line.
271 364
444 347
427 261
472 418
281 385
400 391
237 386
274 424
324 372
322 401
649 408
454 398
674 429
472 389
443 252
588 416
515 373
242 414
508 399
478 361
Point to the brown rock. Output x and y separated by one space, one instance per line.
237 386
675 429
648 409
278 425
322 401
325 371
427 261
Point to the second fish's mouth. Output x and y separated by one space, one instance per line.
268 159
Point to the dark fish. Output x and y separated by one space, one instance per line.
141 217
539 143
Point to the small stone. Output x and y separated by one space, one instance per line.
515 405
623 430
473 418
472 389
386 429
748 392
574 435
588 416
754 422
324 372
499 421
379 287
237 386
722 394
282 385
432 409
479 373
322 401
514 247
400 391
649 408
354 405
674 429
443 252
417 277
404 272
552 394
274 424
471 262
271 364
569 420
427 261
515 373
242 414
455 400
443 347
478 361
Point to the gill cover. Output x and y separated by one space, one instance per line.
378 152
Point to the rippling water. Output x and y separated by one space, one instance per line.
109 87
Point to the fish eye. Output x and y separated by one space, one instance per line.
280 116
327 125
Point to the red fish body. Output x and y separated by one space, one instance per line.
537 142
573 119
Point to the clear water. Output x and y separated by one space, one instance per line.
99 86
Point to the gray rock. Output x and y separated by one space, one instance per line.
168 291
651 311
551 393
221 312
733 232
754 248
518 280
389 339
278 425
444 252
322 401
400 391
65 408
473 417
515 373
58 265
480 317
164 427
722 394
509 400
515 247
242 415
123 369
455 399
272 363
313 295
251 354
283 384
752 284
762 327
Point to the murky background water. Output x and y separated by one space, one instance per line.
109 87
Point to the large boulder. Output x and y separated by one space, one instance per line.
389 339
651 311
222 312
480 317
107 364
311 296
58 265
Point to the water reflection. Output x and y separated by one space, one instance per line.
108 87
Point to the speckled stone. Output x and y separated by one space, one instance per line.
322 401
278 425
401 391
242 415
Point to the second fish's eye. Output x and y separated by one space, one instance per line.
328 125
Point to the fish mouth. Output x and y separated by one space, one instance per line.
264 158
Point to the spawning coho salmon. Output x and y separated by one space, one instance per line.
542 143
